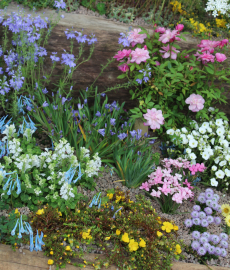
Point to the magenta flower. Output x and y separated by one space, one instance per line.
123 67
169 36
196 102
135 38
165 189
207 57
154 118
121 54
177 197
160 30
220 57
157 63
145 186
208 45
223 43
167 52
139 55
179 27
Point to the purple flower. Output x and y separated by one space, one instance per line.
215 239
217 197
105 124
201 251
217 220
85 100
196 234
224 244
210 219
208 203
45 104
103 94
202 215
215 205
211 250
188 223
81 38
208 210
196 208
195 214
102 131
92 40
208 195
201 199
42 52
16 82
70 35
206 234
209 190
196 221
55 107
204 222
133 133
223 252
206 245
224 236
54 58
218 251
44 91
68 59
124 40
98 114
112 121
112 133
195 245
203 239
59 4
107 106
63 100
122 136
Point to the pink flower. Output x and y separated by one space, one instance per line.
191 68
167 52
177 197
154 118
165 189
123 67
188 184
196 102
145 186
193 169
155 193
139 55
207 57
179 27
121 54
157 63
160 30
201 167
208 45
220 57
186 56
169 36
135 38
145 47
223 43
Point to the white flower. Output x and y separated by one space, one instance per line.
212 141
205 155
202 130
211 109
227 172
209 129
184 130
219 122
192 156
184 139
177 132
222 163
193 143
220 131
214 168
193 162
227 157
220 174
188 150
214 183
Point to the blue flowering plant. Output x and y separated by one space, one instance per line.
205 212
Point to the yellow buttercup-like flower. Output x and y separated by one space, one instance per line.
40 212
110 195
67 248
167 226
227 220
142 243
107 238
133 246
178 249
16 211
225 209
51 252
50 262
159 234
125 238
118 232
175 228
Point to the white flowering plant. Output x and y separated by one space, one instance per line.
206 142
30 176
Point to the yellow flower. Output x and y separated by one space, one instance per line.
178 249
159 234
167 226
45 235
40 212
51 252
50 262
60 214
142 243
118 232
133 246
16 211
175 228
225 209
67 248
227 220
107 238
61 244
130 201
125 238
77 246
110 195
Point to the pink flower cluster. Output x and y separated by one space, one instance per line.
207 48
197 168
170 179
154 118
196 102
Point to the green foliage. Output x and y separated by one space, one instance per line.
4 3
126 16
93 226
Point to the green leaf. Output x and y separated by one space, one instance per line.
122 76
132 67
209 70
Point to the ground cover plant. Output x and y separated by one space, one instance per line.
131 234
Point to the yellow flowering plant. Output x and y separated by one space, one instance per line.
116 228
226 214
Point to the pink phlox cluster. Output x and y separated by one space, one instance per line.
197 168
145 186
135 38
188 184
177 163
196 102
165 189
169 52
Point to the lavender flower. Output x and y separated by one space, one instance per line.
203 239
102 131
204 222
208 195
60 4
206 234
194 214
112 121
209 203
224 244
206 245
211 250
196 235
201 199
215 239
210 219
224 236
216 196
196 208
215 205
196 221
54 58
208 210
201 251
68 59
202 215
45 104
217 220
218 251
122 136
44 91
223 252
209 190
188 223
98 114
195 245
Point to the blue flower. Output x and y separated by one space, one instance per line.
15 227
45 104
112 133
102 131
112 121
44 91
